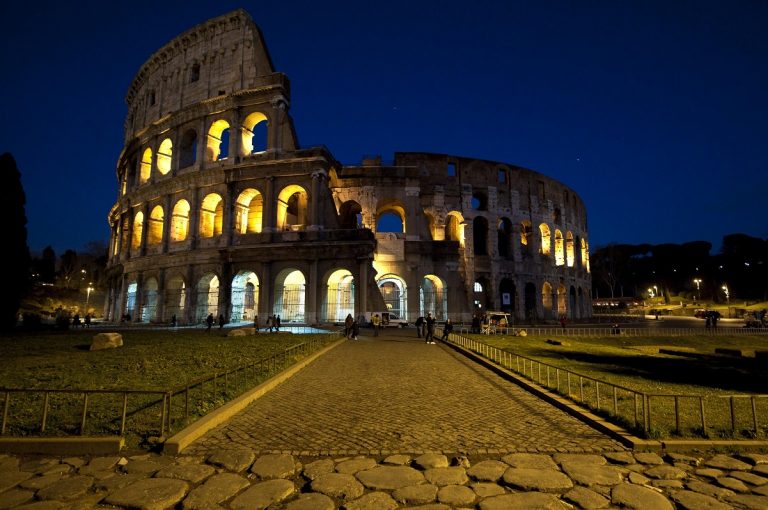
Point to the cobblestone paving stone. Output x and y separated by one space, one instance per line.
398 394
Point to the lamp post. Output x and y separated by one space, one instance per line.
727 295
655 291
88 296
697 281
650 292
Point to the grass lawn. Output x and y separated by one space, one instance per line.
148 360
635 363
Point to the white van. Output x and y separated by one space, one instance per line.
388 320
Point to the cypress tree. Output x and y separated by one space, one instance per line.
16 251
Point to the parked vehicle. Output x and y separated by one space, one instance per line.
388 320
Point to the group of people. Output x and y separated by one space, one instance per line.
351 327
210 320
425 327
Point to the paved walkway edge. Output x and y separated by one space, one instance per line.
179 441
62 445
601 424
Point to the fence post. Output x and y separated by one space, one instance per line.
85 413
677 414
45 413
597 394
615 403
703 417
162 417
754 413
648 398
635 405
186 401
581 389
6 405
733 415
125 412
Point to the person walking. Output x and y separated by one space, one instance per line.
270 323
221 321
173 320
277 323
419 325
88 320
348 326
475 323
355 330
256 322
447 329
429 324
376 320
208 322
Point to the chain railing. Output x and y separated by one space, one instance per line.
66 412
650 413
606 331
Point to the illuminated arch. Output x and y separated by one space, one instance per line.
164 156
546 239
546 298
249 210
454 227
559 248
292 208
254 134
526 230
569 249
175 298
245 296
130 299
138 230
394 291
290 295
217 147
155 232
340 296
562 299
149 300
207 297
433 297
145 170
211 216
180 221
392 212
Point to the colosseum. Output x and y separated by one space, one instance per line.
220 210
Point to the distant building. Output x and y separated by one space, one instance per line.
219 210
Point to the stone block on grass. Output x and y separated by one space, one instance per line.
106 341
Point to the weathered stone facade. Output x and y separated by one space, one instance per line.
220 211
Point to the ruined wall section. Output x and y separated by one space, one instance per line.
218 57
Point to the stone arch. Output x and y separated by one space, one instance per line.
479 201
138 230
245 296
180 221
175 298
395 293
546 239
433 297
480 235
149 300
254 134
130 299
292 208
339 299
290 295
249 212
573 308
188 148
569 249
145 170
505 238
207 297
217 147
350 215
164 156
454 228
546 298
507 295
562 300
559 248
211 216
156 221
392 209
526 233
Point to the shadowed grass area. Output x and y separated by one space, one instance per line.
158 360
686 365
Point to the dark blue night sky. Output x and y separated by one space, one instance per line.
655 112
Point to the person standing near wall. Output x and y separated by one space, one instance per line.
209 322
376 321
429 323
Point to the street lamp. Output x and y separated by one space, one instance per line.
650 292
656 291
727 295
697 281
88 296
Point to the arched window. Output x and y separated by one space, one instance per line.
394 291
562 297
546 239
207 297
479 201
505 238
559 248
292 208
188 154
138 229
175 297
433 297
217 147
569 253
164 154
194 73
340 298
155 233
245 296
350 215
149 300
146 166
180 221
254 134
480 235
390 222
248 212
546 297
453 229
211 216
290 296
526 230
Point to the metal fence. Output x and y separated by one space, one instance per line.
653 414
607 331
64 412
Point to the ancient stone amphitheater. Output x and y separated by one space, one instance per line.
219 210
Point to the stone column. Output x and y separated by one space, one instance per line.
144 230
266 300
361 289
311 312
235 137
270 205
194 218
202 145
228 222
413 213
139 297
315 219
167 221
160 313
225 291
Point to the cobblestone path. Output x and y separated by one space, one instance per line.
396 394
